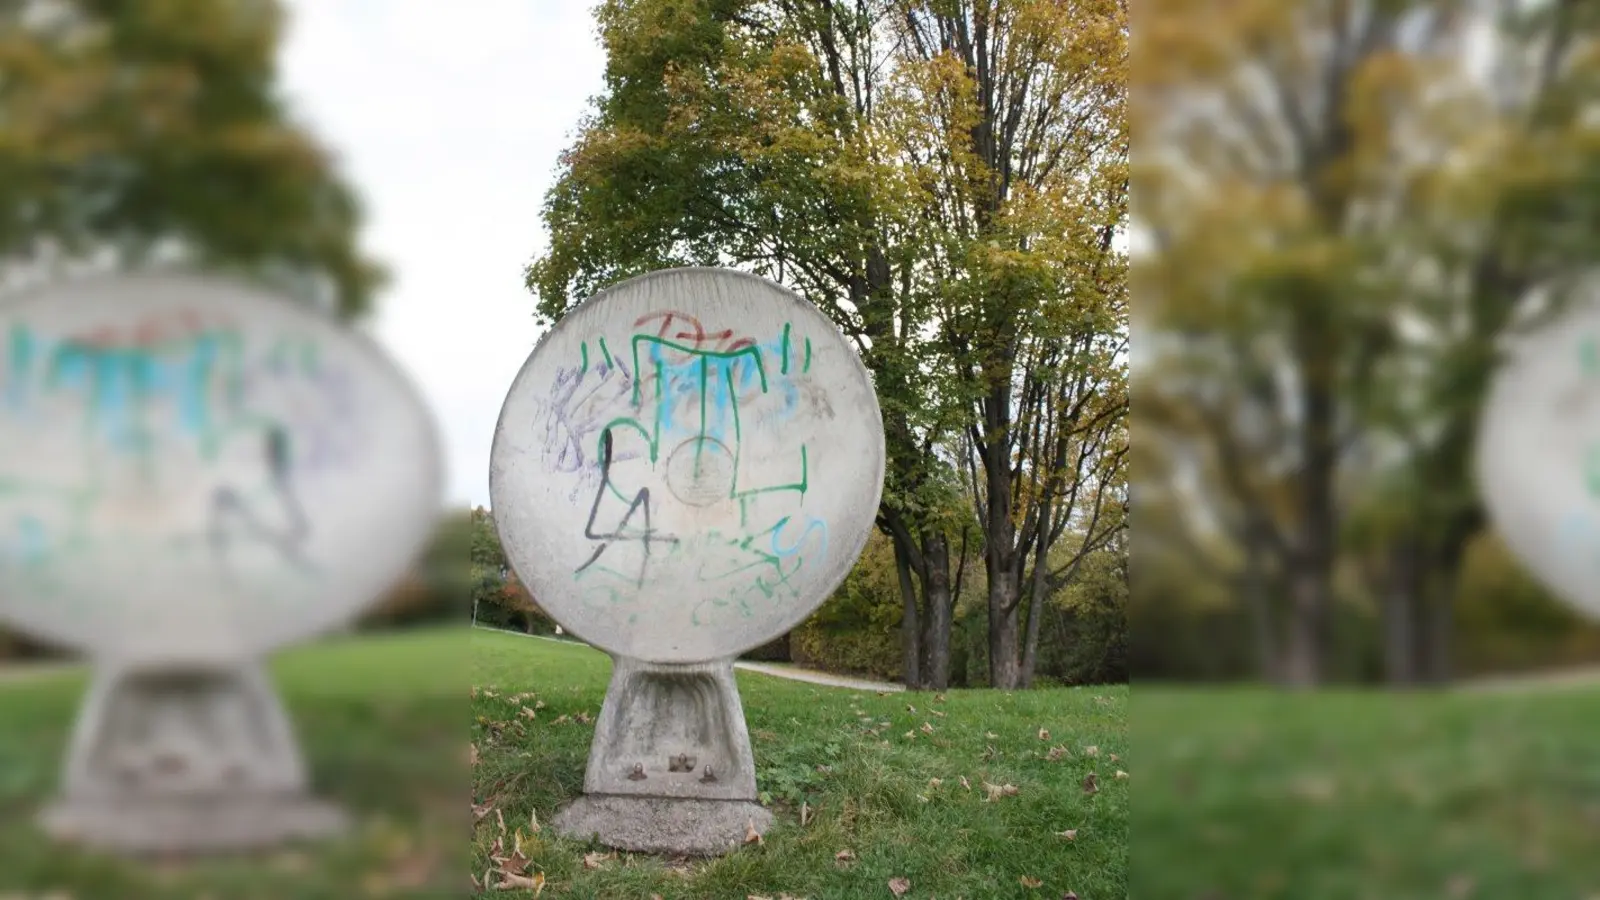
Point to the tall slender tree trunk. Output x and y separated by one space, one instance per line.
1400 626
939 613
1402 593
1311 566
910 629
1439 613
1030 637
1005 671
1308 598
1258 604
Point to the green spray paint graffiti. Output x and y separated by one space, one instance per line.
682 397
157 402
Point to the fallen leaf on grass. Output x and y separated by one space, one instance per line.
562 719
991 735
585 718
937 713
1116 758
751 835
927 728
472 754
595 860
939 697
530 714
805 811
1090 785
996 791
1044 734
965 783
479 810
513 864
1069 895
1070 834
534 882
1055 753
845 856
501 820
898 886
1120 775
1030 882
910 708
1091 751
533 820
935 782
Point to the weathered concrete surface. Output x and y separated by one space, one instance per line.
206 473
659 825
166 760
672 731
212 472
160 731
161 824
687 465
1539 454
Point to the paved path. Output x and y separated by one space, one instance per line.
25 671
776 670
1587 676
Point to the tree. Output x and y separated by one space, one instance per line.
746 133
1347 218
155 131
1019 134
832 146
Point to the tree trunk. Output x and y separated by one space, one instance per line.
910 630
1308 597
1401 596
937 621
1030 640
1439 614
1004 671
1311 564
1036 594
1257 601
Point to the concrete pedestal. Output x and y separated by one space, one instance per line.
670 770
185 760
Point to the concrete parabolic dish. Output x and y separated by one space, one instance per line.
1539 456
193 468
687 465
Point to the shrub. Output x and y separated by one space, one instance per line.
857 631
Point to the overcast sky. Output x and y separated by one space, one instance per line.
449 122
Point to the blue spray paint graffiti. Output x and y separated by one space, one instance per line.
687 397
180 399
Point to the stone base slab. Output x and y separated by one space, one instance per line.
191 825
677 827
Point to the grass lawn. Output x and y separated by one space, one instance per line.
1455 796
382 724
872 780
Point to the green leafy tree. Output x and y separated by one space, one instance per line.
156 131
743 133
1347 215
944 180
